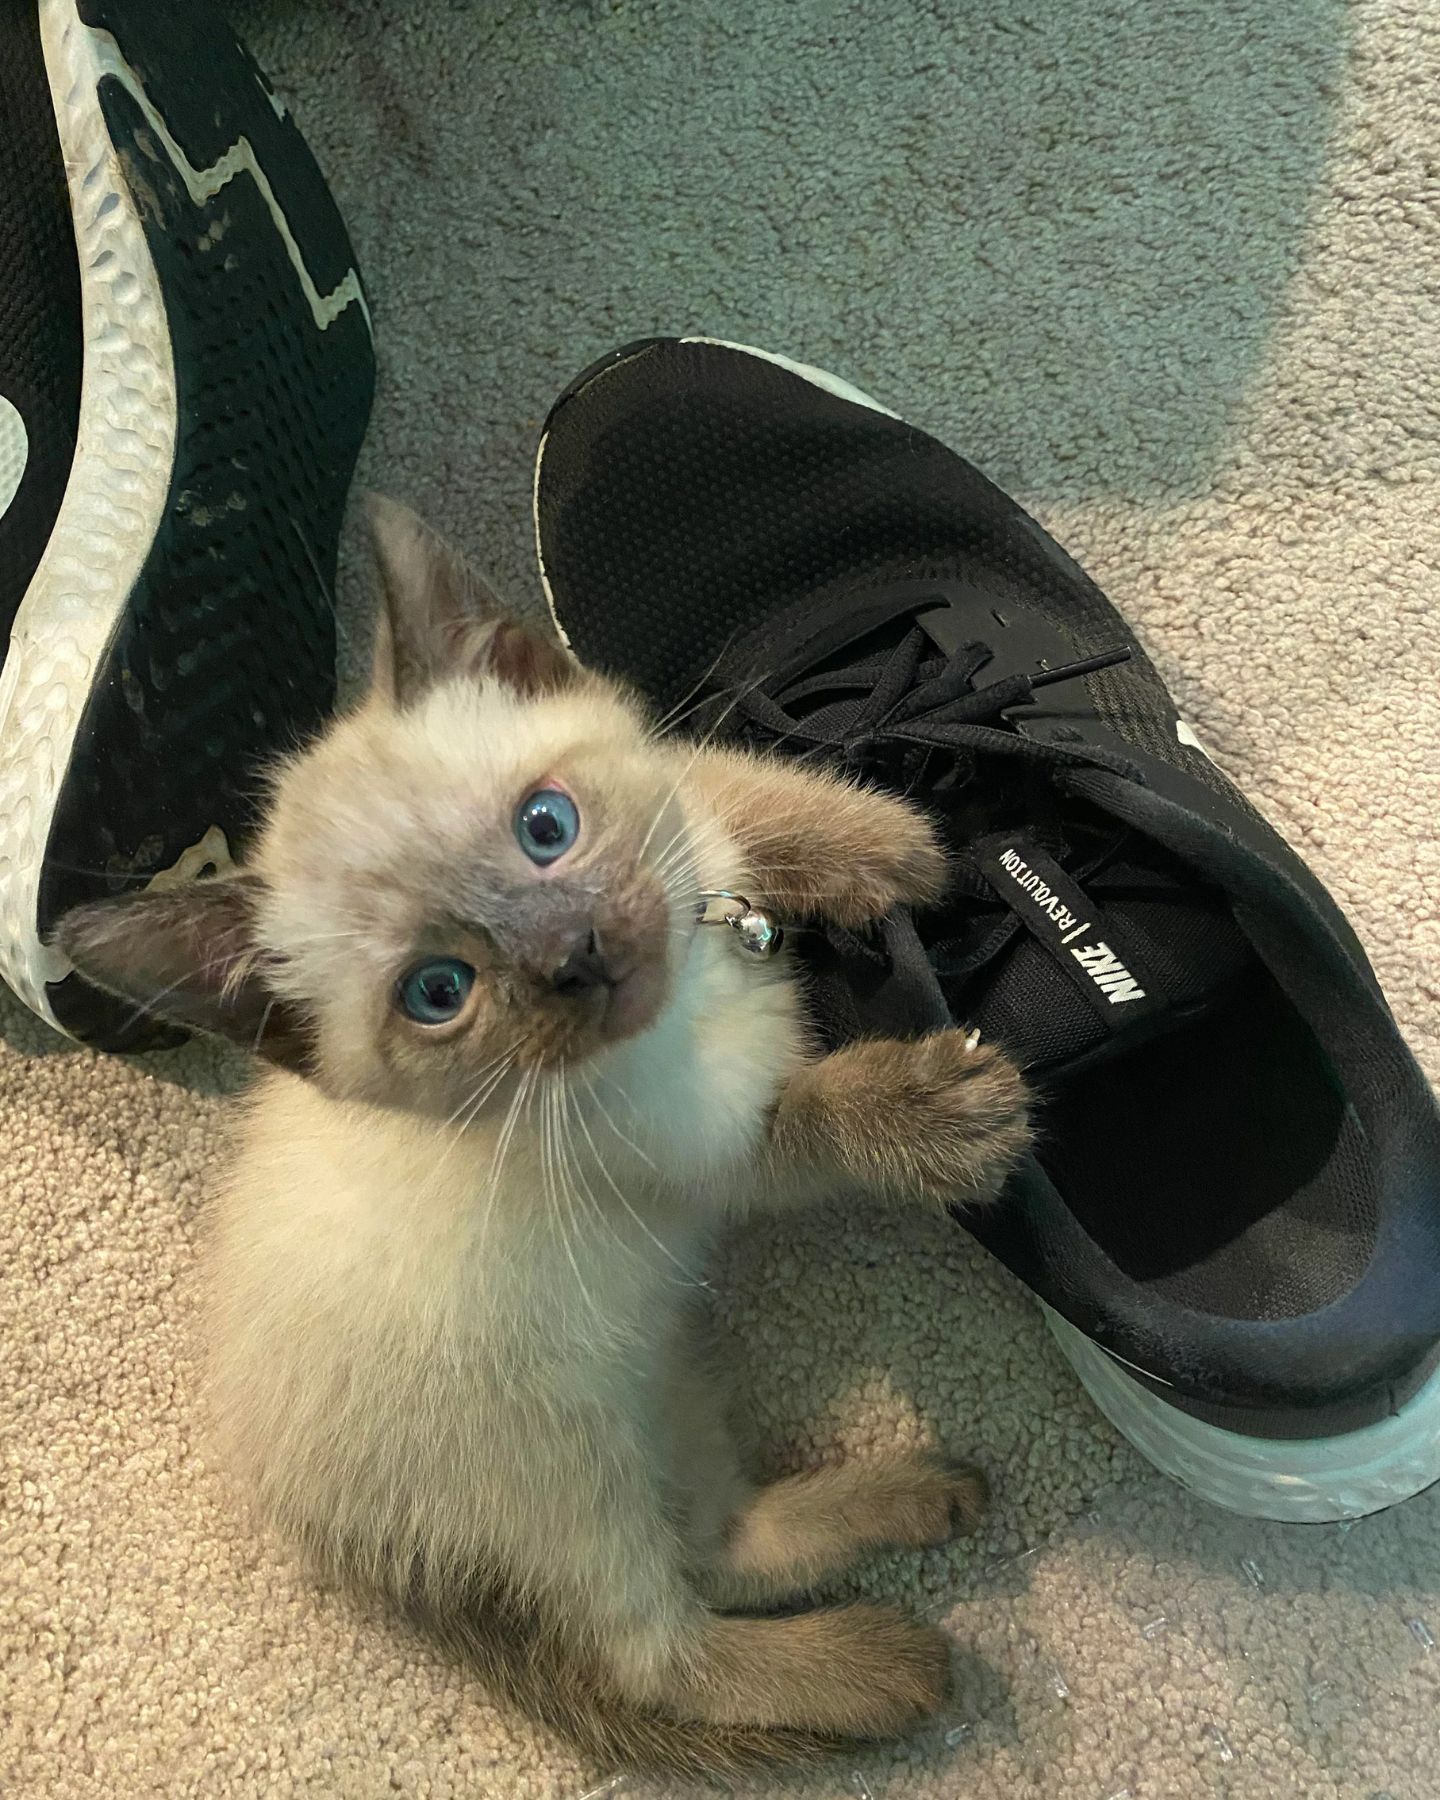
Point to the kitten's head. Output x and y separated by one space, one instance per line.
486 865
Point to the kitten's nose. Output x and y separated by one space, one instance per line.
585 967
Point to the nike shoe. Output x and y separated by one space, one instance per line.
185 378
1233 1213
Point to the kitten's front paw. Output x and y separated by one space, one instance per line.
938 1116
941 1117
969 1111
901 865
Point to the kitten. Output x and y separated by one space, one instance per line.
514 1088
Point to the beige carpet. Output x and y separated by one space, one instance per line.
1171 271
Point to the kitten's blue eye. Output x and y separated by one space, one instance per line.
547 824
434 992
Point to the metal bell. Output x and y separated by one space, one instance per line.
758 933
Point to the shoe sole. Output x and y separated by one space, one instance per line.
1308 1481
178 628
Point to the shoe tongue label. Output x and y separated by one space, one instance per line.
1106 969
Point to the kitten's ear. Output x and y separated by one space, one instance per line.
440 620
529 661
189 954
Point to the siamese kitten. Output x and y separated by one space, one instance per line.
513 1088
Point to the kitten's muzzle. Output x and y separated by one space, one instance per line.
596 973
584 967
609 986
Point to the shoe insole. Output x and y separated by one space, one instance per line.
1220 1164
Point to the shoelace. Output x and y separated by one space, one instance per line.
914 700
914 704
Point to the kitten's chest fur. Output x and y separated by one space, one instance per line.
399 1332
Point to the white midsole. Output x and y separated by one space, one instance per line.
545 588
112 505
1301 1480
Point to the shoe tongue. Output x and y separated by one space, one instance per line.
1096 965
1135 951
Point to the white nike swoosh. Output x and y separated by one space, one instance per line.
14 452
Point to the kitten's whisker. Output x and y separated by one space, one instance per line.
700 750
697 841
325 590
682 842
547 1139
739 694
684 898
474 1102
676 879
505 1056
519 1105
682 877
674 846
605 1115
694 837
570 1163
664 1249
261 1028
485 1078
663 807
682 707
94 872
680 887
679 869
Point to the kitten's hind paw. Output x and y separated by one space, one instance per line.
963 1492
922 1500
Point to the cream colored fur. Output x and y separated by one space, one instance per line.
414 1358
453 1277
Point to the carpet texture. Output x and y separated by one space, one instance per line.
1171 273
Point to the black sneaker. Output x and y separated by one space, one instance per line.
1234 1210
185 378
